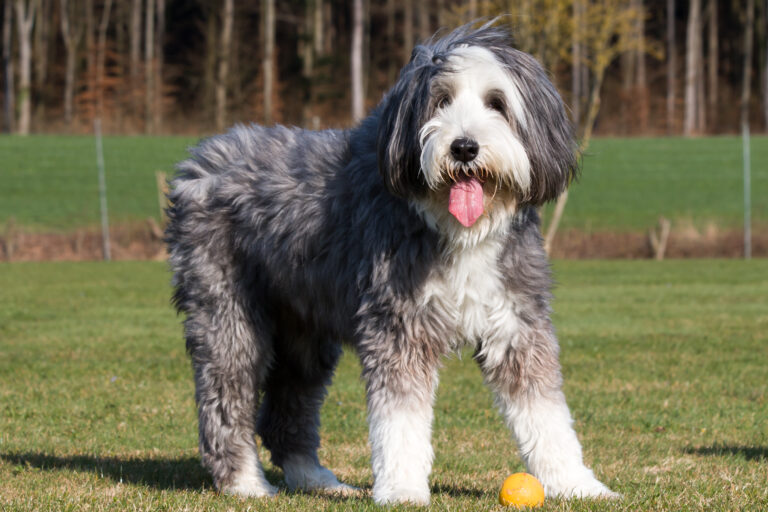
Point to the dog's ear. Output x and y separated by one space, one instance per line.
402 112
547 132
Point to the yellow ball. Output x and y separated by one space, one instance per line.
521 490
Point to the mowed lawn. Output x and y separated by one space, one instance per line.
50 182
665 366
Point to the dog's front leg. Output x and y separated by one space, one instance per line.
401 388
525 377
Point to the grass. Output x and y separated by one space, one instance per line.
665 375
49 182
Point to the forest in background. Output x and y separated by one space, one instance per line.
625 67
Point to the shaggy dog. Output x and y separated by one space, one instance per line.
408 237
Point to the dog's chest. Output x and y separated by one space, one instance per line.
469 294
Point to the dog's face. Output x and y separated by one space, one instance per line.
473 129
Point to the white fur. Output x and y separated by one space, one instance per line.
401 450
303 472
250 481
475 72
549 446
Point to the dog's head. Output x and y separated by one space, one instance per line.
474 126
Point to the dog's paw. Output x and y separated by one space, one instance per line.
400 495
306 475
250 488
588 487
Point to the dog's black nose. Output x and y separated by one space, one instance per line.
464 150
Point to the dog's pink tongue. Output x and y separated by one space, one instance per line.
466 200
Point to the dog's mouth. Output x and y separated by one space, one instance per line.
465 200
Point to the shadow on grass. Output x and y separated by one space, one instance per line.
748 452
158 473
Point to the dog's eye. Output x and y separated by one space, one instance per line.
496 103
443 101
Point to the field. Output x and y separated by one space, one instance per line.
665 366
49 182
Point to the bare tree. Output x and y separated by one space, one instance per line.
424 23
577 63
641 76
157 111
41 45
692 122
765 65
25 21
749 37
713 59
222 76
671 66
149 62
392 43
135 56
356 61
71 32
101 51
268 15
407 29
9 100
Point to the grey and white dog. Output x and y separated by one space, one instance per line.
409 237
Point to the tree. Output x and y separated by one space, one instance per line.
712 60
149 61
9 99
671 66
135 49
222 76
157 111
101 52
356 61
693 122
407 30
25 21
71 33
268 15
41 46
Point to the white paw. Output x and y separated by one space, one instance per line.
588 487
250 488
305 474
400 495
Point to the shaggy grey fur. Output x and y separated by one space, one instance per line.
286 242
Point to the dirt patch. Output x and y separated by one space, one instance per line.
684 243
143 241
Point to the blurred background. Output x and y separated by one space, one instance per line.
665 86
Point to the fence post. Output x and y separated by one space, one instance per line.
102 191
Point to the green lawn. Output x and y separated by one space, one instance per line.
49 182
665 366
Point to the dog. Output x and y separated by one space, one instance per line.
409 237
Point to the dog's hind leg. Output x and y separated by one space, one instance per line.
527 382
229 345
289 417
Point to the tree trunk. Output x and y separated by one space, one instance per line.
90 58
641 76
356 61
222 74
42 40
765 65
671 66
149 63
748 55
713 57
392 43
135 56
577 61
101 57
159 54
407 30
691 123
9 100
71 33
268 15
424 24
307 55
25 20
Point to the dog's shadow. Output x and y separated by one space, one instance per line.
185 473
747 452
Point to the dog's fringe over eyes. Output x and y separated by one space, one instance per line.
408 237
